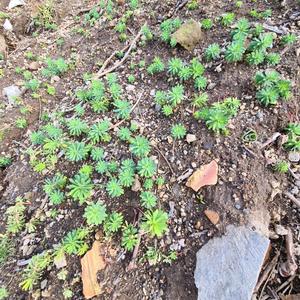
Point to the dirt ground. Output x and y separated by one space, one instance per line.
247 182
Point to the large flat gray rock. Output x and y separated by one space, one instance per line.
228 267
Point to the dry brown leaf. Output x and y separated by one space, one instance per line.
205 175
92 262
213 216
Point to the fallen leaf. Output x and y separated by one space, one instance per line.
205 175
188 35
92 262
213 216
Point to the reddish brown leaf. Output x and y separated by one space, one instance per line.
91 263
213 216
205 175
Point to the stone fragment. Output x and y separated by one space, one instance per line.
60 261
205 175
3 46
92 262
188 35
280 230
227 268
14 3
11 92
294 156
7 25
190 138
212 216
33 66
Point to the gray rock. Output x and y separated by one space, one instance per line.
228 267
11 92
294 156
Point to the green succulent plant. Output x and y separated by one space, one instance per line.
281 166
273 59
146 167
77 151
155 223
206 24
114 188
73 242
95 213
178 131
289 39
156 66
175 65
80 187
124 134
76 126
148 200
129 237
235 51
227 19
122 109
55 67
126 177
200 83
99 132
113 223
97 153
212 52
139 146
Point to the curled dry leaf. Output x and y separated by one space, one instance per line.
205 175
92 262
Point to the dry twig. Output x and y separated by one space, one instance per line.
272 139
169 165
118 64
289 267
266 272
292 198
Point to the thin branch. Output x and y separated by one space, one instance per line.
289 267
270 140
169 165
266 272
118 64
292 198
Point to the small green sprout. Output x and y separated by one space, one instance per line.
206 24
178 131
281 166
227 19
148 200
156 66
146 167
155 223
114 188
212 52
129 237
288 39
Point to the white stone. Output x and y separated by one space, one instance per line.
13 3
7 25
11 92
228 267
